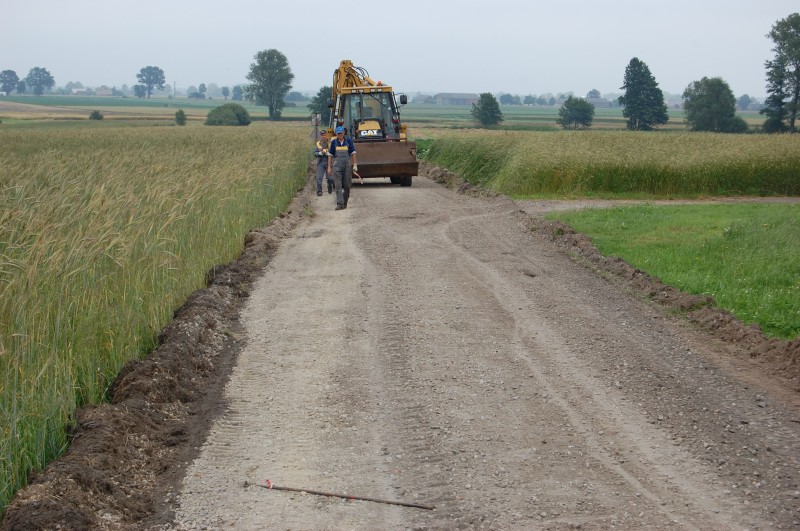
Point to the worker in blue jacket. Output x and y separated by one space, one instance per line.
344 161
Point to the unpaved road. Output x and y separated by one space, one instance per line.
424 346
439 349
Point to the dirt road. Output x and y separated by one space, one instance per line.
424 346
438 349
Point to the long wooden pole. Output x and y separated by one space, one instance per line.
269 486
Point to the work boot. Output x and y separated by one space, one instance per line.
339 207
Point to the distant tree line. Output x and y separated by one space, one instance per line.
37 82
709 103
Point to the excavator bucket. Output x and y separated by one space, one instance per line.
387 159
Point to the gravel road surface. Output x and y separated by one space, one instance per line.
423 346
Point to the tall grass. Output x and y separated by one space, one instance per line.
103 233
614 163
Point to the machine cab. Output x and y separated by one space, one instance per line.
370 116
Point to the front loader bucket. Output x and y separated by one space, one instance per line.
387 159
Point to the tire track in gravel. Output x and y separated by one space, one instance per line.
422 345
592 411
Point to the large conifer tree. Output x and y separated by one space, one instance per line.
783 77
487 111
643 101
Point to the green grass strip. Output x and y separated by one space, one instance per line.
744 255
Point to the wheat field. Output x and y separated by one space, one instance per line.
103 234
614 163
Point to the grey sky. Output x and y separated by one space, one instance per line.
517 46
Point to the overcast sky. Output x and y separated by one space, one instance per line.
516 46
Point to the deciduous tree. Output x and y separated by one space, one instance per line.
710 105
8 81
510 99
270 80
238 93
643 100
38 80
213 91
575 113
72 85
486 111
783 77
151 77
319 103
226 92
228 114
180 117
744 102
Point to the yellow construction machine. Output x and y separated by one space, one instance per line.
370 115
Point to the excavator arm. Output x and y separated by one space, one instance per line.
349 76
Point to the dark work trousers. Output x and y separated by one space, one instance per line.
342 177
322 169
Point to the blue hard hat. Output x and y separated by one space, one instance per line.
339 129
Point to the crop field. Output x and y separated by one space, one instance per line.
68 111
110 102
535 118
104 232
516 117
622 163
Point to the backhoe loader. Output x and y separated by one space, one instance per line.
370 114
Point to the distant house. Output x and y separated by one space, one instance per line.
103 91
81 92
454 98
